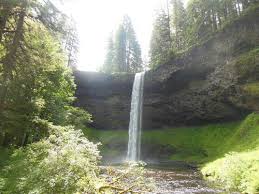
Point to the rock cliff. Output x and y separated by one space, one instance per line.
215 81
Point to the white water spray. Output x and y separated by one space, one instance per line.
136 118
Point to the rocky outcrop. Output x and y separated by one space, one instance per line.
106 97
211 82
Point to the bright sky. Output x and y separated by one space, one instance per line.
96 19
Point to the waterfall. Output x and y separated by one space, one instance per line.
135 124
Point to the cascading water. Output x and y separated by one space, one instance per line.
136 118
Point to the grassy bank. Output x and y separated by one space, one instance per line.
239 167
192 144
227 153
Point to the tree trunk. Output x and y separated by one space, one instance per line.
219 19
24 139
245 4
210 20
3 139
8 61
169 24
238 7
225 11
3 20
214 20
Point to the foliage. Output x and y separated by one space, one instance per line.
5 155
35 82
195 23
37 44
179 24
252 89
77 117
193 144
44 93
236 144
237 171
245 136
66 162
247 66
161 41
108 66
123 53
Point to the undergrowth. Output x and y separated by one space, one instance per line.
227 153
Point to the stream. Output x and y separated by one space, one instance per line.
180 179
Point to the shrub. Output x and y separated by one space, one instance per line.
239 171
66 162
77 117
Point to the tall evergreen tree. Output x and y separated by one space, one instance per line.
127 52
207 16
33 34
120 50
71 44
183 28
108 65
178 19
161 41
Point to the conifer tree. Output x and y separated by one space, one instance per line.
35 47
178 19
191 25
161 41
120 50
127 52
108 65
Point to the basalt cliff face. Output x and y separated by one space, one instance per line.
217 80
106 97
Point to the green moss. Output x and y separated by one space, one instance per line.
251 89
112 142
246 136
194 144
239 169
203 143
247 64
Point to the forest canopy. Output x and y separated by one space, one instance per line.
178 27
35 69
123 50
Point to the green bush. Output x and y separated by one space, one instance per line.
66 162
77 117
238 171
42 86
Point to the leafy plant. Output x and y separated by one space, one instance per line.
66 162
